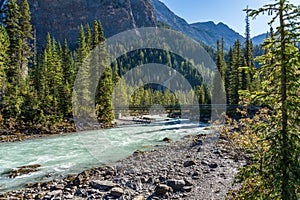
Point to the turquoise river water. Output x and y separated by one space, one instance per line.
72 153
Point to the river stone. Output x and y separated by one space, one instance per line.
102 185
81 193
117 192
138 152
187 189
189 163
213 165
59 187
162 189
78 180
176 184
139 198
69 196
166 139
55 193
23 170
188 181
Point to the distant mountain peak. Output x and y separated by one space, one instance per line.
206 32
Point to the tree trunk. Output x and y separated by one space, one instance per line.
285 192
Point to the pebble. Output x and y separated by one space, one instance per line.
189 163
117 192
176 184
102 185
139 198
162 189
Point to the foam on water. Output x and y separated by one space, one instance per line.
73 153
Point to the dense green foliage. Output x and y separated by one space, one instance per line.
272 136
36 89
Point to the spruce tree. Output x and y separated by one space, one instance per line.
228 72
95 40
248 70
26 38
4 65
11 21
104 97
276 176
233 73
88 37
218 92
56 74
82 50
98 34
68 79
221 64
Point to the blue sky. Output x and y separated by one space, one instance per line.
229 12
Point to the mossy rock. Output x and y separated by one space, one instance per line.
19 171
138 152
167 140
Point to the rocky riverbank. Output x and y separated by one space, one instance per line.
46 130
27 133
199 167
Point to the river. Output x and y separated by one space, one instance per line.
72 153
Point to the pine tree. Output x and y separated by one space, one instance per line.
11 21
82 50
52 79
228 74
68 79
96 33
221 64
101 32
26 38
104 98
56 74
236 61
4 65
88 37
278 174
248 70
105 86
218 91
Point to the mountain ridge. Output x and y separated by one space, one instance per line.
63 18
200 31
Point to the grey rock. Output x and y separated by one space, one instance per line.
80 193
139 198
59 187
203 162
55 193
102 185
188 181
187 188
176 184
117 192
162 189
189 163
213 165
69 196
166 139
47 197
